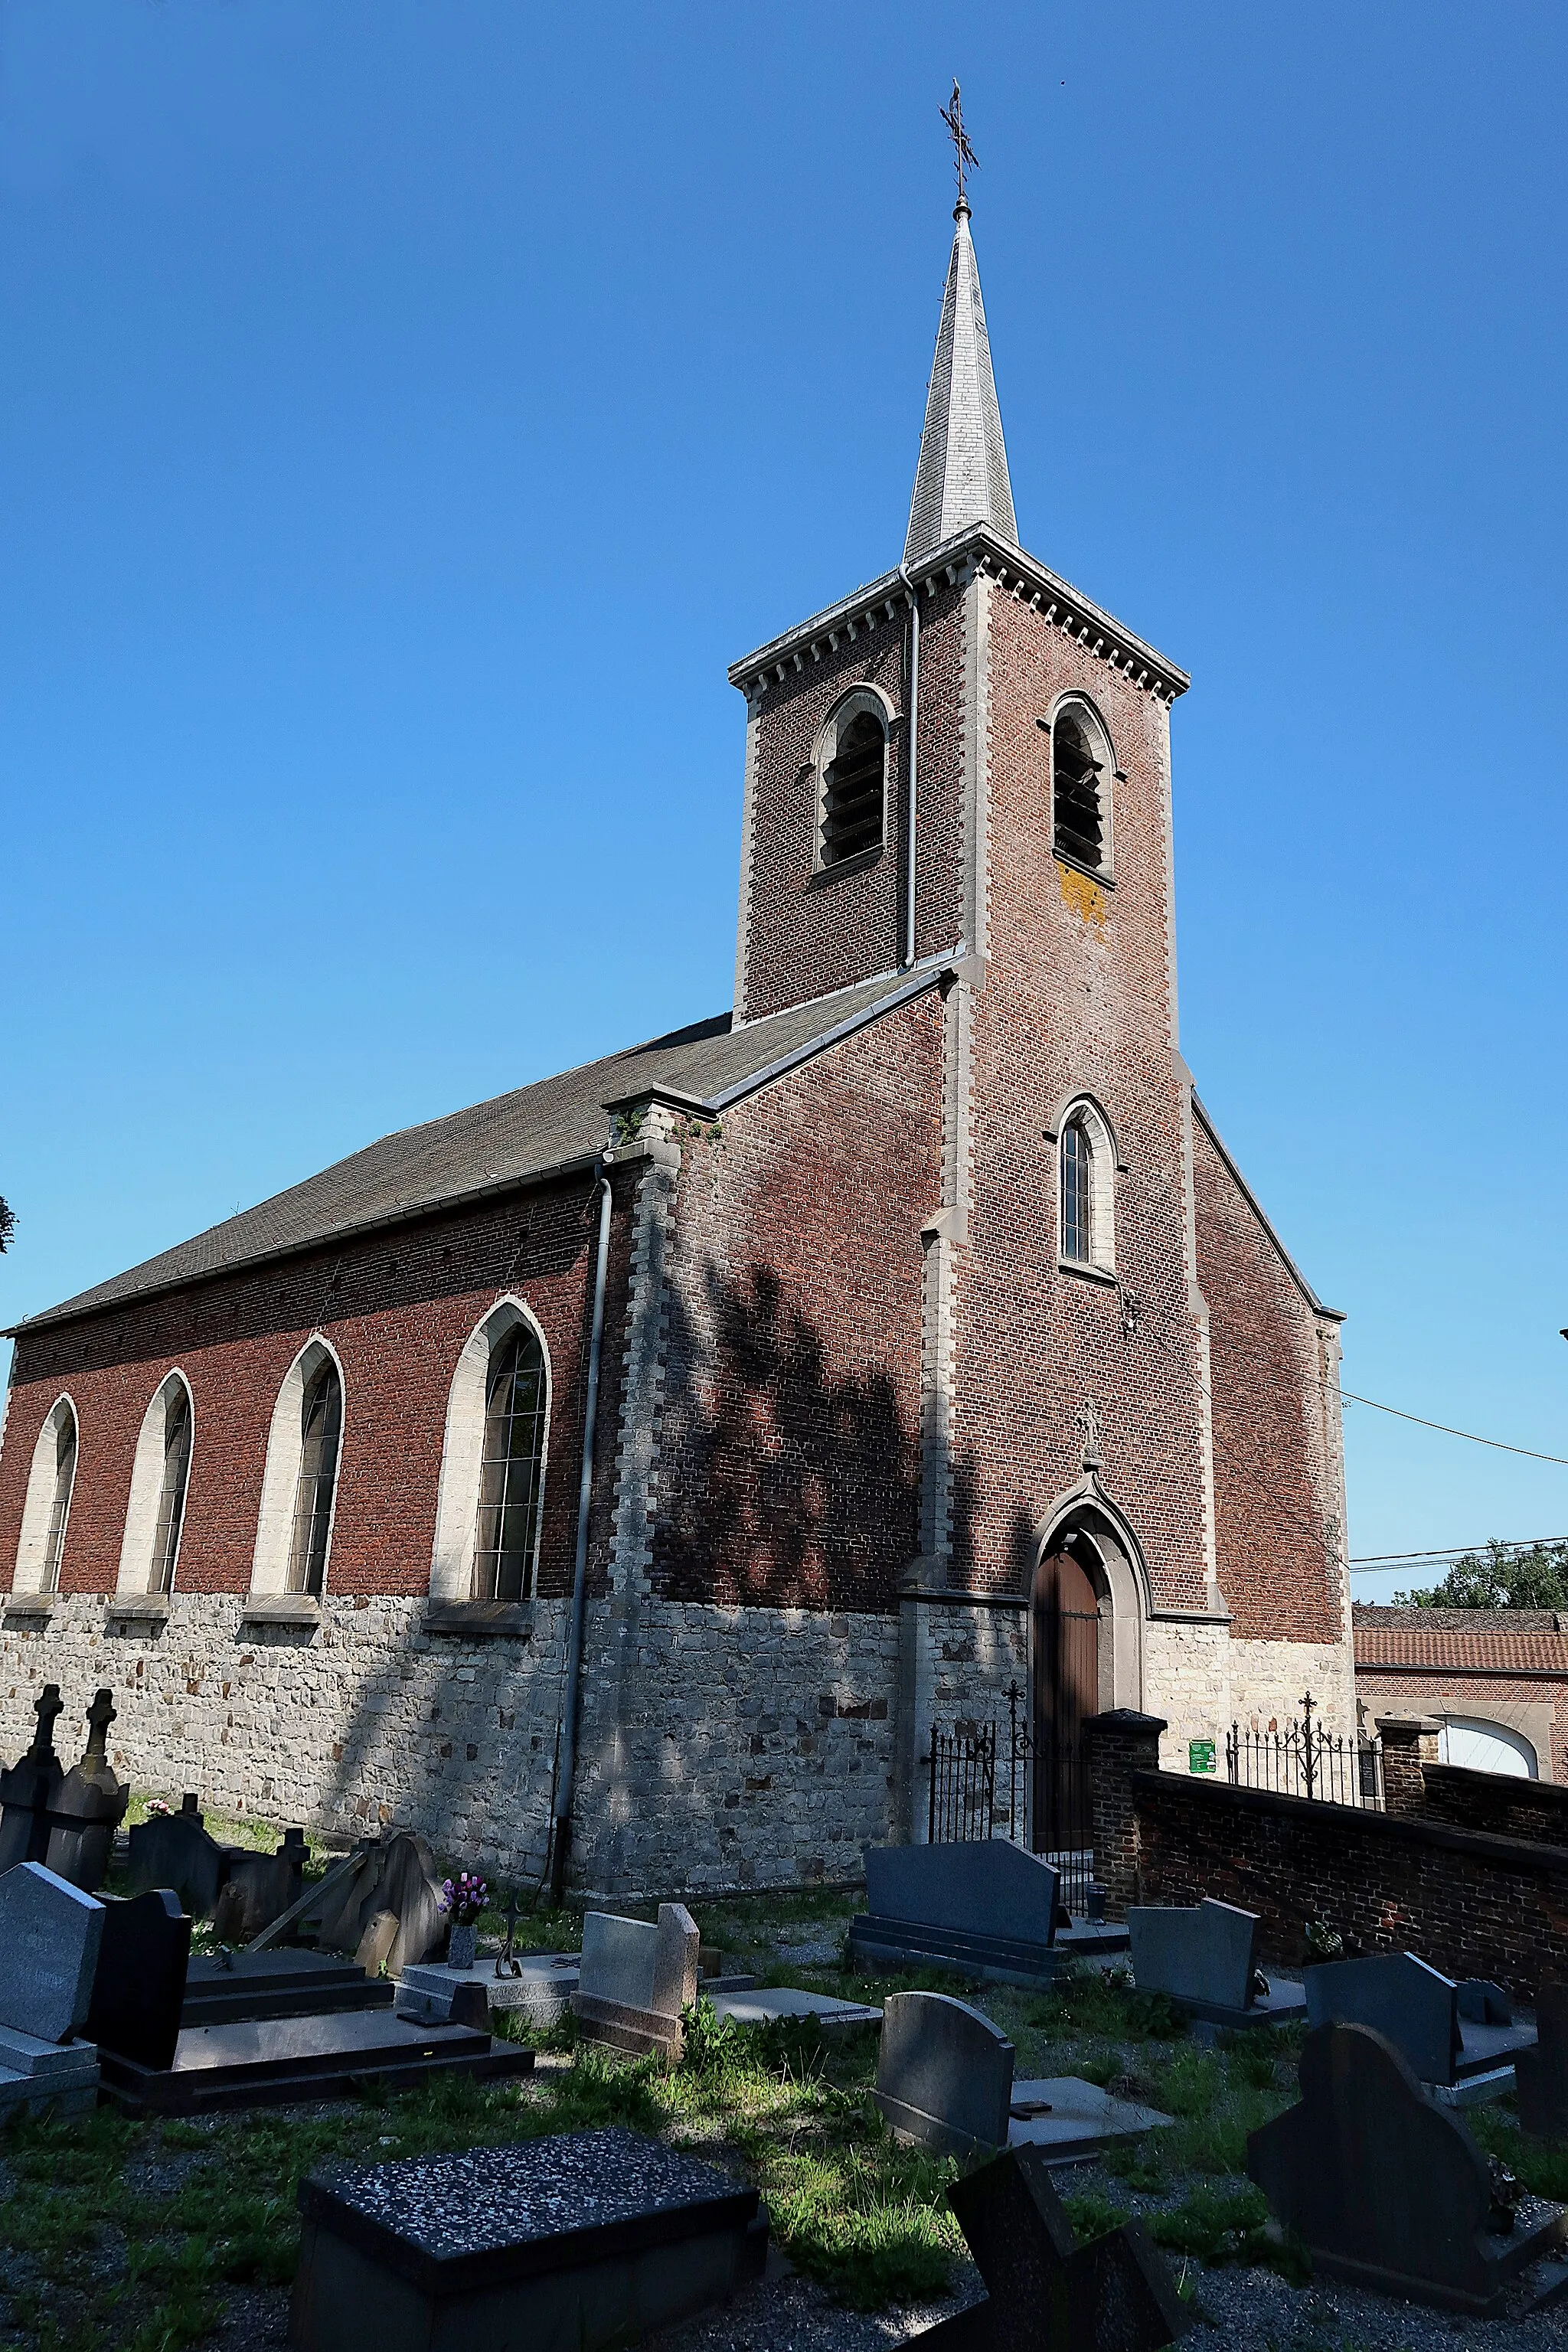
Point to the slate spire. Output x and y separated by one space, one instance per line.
962 476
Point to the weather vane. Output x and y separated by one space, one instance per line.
963 155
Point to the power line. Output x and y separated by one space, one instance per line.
1499 1443
1516 1548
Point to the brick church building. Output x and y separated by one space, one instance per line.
665 1447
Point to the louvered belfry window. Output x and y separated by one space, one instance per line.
322 1421
1078 1193
60 1500
1078 786
512 1477
852 791
172 1494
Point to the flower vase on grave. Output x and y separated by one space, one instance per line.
460 1951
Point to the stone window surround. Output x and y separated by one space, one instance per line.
850 705
1105 1162
462 1449
1085 707
147 1488
285 1440
33 1541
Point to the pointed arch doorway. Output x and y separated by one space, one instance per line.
1065 1690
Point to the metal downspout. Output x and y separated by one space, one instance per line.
914 761
571 1713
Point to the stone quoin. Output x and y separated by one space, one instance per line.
934 1316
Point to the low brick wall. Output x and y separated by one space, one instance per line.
1470 1903
1535 1810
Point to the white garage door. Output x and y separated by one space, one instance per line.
1483 1747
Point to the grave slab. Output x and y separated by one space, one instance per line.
1204 1957
766 2008
260 2062
289 1982
635 1979
1069 2120
1388 2189
541 1992
61 2075
571 2244
1045 2292
944 2074
139 1987
50 1933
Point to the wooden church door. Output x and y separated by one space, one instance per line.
1067 1688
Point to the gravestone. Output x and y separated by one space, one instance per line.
1483 2002
944 2074
1397 1996
259 1888
139 1986
1388 2189
1541 2074
274 2061
90 1806
538 1986
779 2002
1204 1956
176 1850
399 1876
634 1979
983 1904
1045 2292
50 1935
585 2239
28 1791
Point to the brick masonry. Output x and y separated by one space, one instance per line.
1502 1667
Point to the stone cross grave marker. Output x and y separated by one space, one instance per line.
28 1790
90 1806
1387 2188
944 2074
635 1979
1206 1954
50 1933
1045 2293
1399 1996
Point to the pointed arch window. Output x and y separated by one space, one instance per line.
1078 1193
853 762
59 1499
176 1476
1082 767
1087 1190
512 1468
321 1422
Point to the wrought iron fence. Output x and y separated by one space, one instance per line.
988 1780
1307 1759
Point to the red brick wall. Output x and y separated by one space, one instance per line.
1469 1904
1077 997
1536 1811
1275 1496
397 1308
789 1461
808 936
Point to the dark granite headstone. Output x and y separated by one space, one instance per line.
90 1807
259 1888
981 1886
1483 2002
28 1791
582 2240
1397 1996
176 1850
944 2074
1387 2188
50 1935
1045 2293
138 1989
1204 1955
1541 2074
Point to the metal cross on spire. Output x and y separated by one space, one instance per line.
963 155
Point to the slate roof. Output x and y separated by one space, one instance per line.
962 476
517 1139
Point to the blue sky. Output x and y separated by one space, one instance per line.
407 412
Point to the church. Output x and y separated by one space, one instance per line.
619 1480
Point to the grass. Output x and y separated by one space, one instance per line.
132 2235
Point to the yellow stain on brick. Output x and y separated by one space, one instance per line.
1084 897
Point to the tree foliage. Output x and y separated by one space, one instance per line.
1502 1578
8 1226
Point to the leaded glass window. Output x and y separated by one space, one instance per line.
171 1493
1078 1193
60 1500
320 1430
512 1476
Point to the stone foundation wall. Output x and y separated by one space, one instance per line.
756 1749
1268 1680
